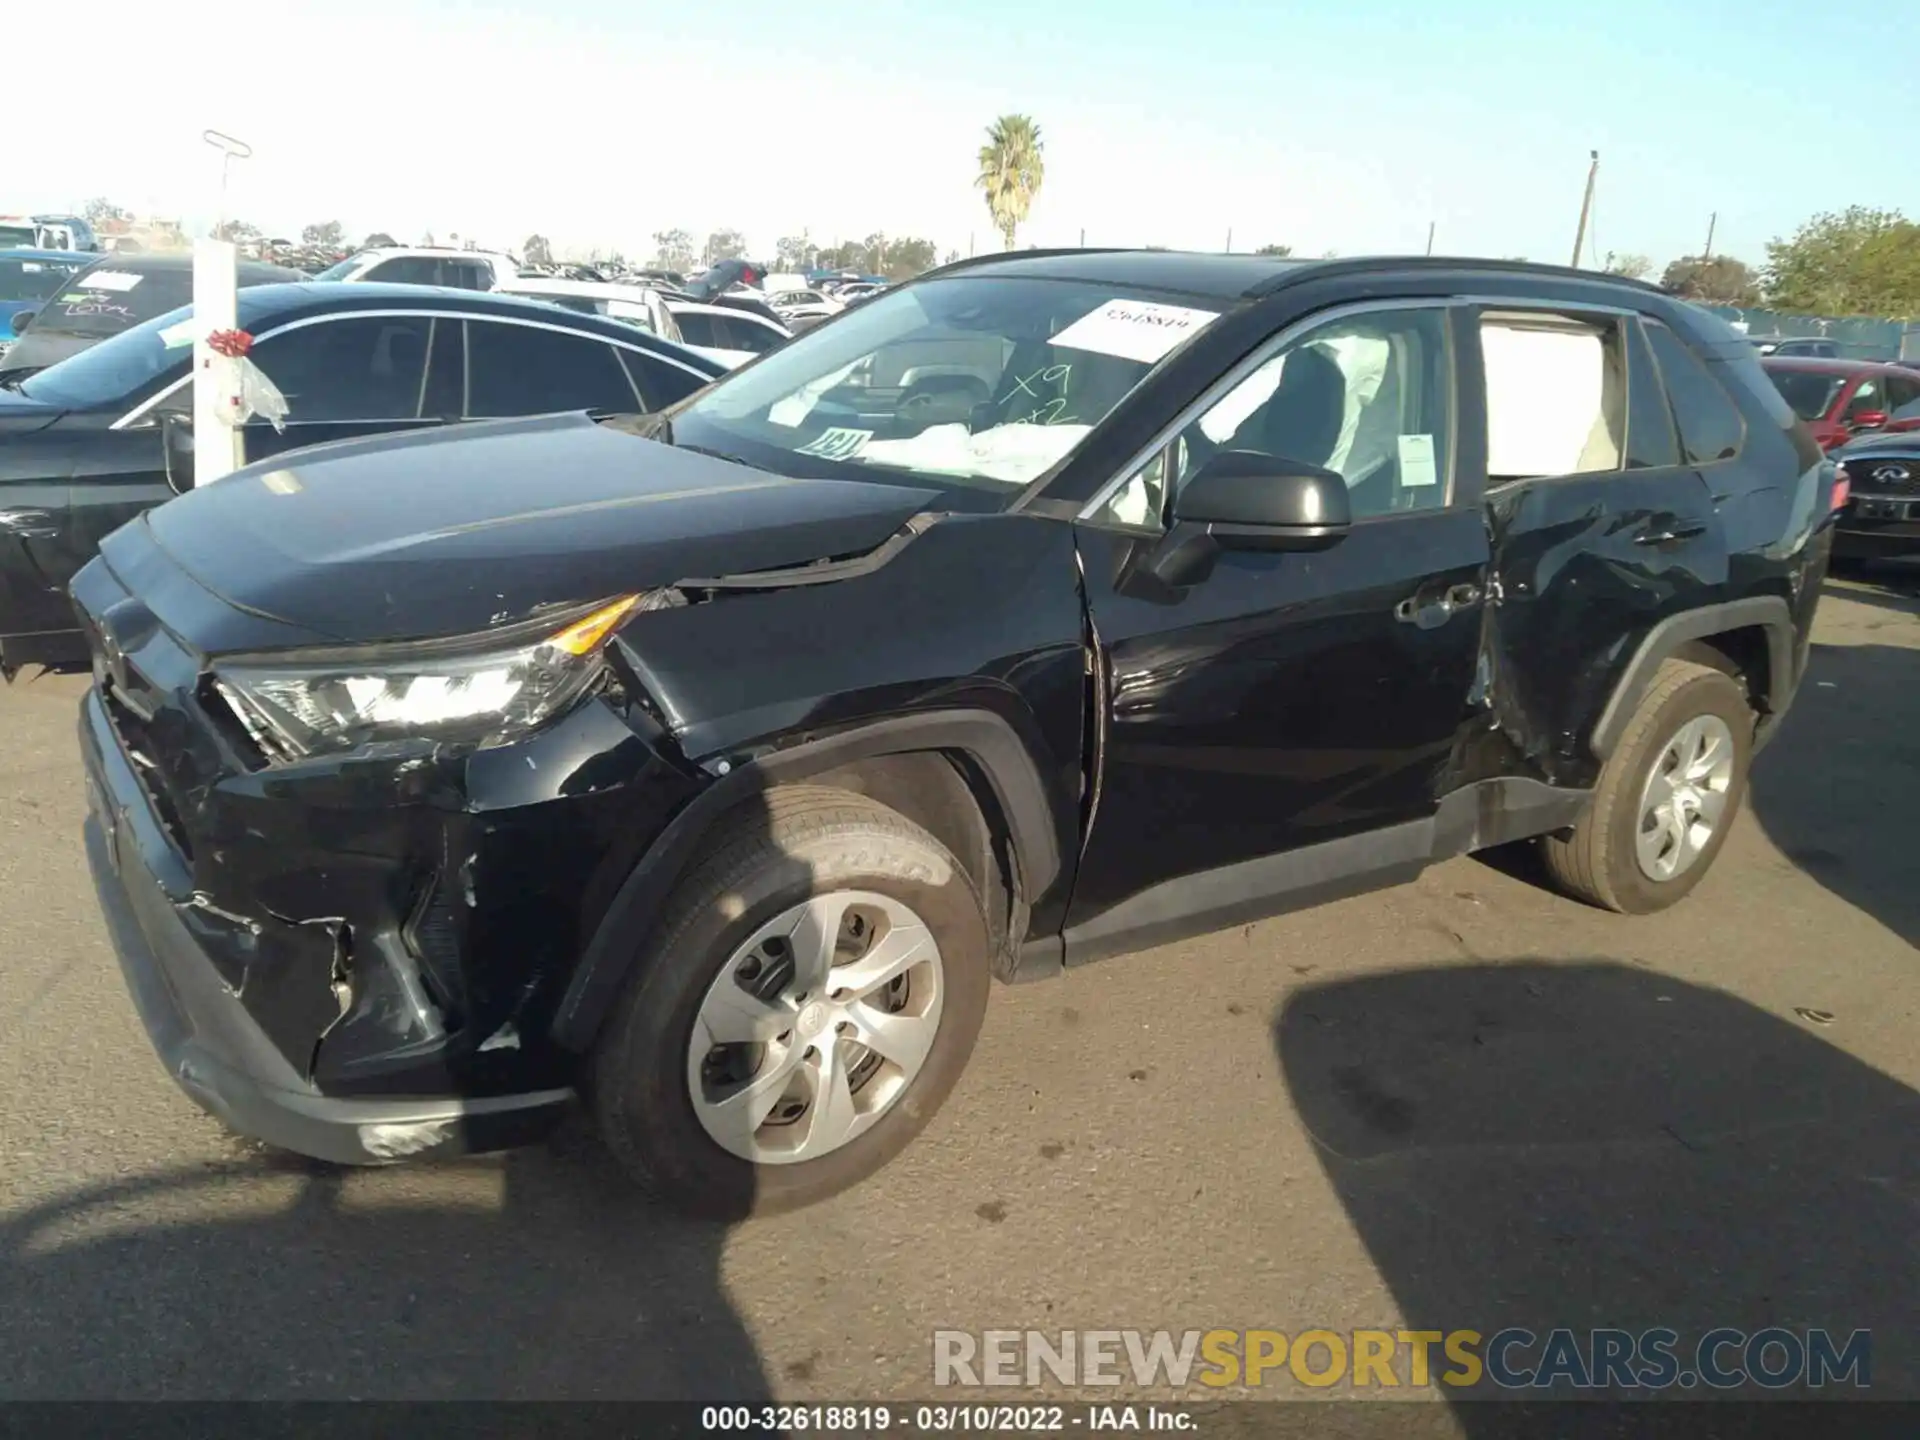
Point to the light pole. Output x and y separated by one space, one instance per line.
230 150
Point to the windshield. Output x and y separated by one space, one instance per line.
24 237
115 370
104 301
981 382
1808 392
32 280
341 271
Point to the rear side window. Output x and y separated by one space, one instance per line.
757 338
1903 397
1710 425
700 330
1651 440
659 383
526 370
1556 395
406 270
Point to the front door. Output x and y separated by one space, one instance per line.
1285 725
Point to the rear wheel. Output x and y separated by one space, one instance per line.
808 1000
1666 797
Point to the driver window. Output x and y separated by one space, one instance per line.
1369 397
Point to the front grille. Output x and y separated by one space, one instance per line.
433 935
137 740
1891 475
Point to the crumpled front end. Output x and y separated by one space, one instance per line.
354 930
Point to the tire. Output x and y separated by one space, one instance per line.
1600 861
788 848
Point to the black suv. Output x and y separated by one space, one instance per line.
1051 606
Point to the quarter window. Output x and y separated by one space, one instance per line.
1710 425
526 370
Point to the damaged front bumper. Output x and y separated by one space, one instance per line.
215 1049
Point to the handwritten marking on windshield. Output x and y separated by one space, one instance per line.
1049 408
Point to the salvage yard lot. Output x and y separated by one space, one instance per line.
1461 1103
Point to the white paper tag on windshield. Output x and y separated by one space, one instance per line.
1416 461
116 280
1133 329
838 443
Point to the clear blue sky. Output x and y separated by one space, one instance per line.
1342 128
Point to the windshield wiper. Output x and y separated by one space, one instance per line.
718 455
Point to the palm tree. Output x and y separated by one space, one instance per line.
1012 165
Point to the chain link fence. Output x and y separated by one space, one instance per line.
1857 337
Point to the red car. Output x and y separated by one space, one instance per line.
1840 399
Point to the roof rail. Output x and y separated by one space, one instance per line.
1361 264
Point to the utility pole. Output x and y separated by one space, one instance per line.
1586 209
1083 237
1229 240
1712 220
1430 228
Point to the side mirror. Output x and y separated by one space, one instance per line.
22 319
1868 420
176 436
1245 500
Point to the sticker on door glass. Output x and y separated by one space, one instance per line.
119 281
837 443
1416 461
1133 329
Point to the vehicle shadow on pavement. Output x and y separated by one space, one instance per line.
531 1276
1838 789
1591 1144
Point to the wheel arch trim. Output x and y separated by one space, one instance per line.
987 738
1768 612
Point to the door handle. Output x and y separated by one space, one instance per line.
1668 531
29 523
1428 615
1462 596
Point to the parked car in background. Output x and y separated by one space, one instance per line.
92 442
636 304
400 265
715 763
1840 399
48 232
1798 346
28 279
791 305
723 333
113 295
1882 515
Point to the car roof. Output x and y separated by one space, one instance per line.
436 252
1245 277
22 252
262 303
1821 365
585 289
159 262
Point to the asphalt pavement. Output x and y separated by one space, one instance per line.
1463 1103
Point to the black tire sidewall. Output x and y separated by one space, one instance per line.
1709 693
646 1080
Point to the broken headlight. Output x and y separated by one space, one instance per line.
478 691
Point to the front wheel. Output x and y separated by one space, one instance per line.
809 998
1666 797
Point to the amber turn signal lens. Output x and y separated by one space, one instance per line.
583 637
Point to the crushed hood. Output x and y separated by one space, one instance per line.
460 530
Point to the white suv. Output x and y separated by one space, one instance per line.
455 269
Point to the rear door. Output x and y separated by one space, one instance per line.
1602 512
1289 720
